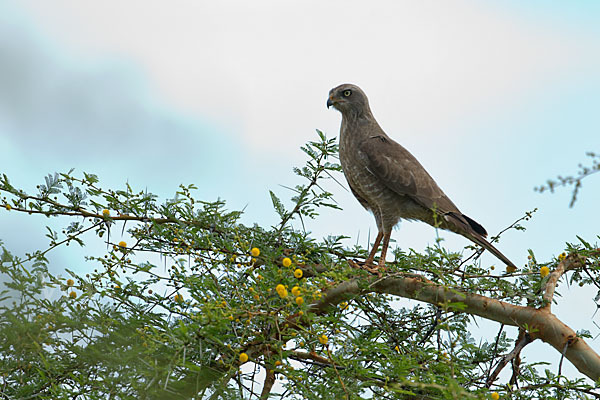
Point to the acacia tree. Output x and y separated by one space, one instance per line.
198 305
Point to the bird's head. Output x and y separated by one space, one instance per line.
348 98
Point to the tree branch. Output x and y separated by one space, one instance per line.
268 385
540 323
524 341
571 262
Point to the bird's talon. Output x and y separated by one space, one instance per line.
373 269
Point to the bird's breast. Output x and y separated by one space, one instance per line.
373 193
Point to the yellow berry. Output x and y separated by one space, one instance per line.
299 301
298 273
296 291
323 339
281 291
73 295
178 298
230 317
8 207
105 213
255 252
562 256
495 396
122 244
286 262
70 282
343 305
277 363
492 268
301 313
243 357
510 269
544 271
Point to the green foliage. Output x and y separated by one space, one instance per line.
167 314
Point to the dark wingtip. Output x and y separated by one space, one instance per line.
475 226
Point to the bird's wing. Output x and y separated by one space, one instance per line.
400 171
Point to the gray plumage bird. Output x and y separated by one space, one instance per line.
389 181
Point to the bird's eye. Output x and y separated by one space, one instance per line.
347 93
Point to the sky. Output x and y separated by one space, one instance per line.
492 97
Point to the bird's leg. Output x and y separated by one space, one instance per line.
381 265
384 247
374 251
367 264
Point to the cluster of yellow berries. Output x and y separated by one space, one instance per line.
323 339
296 292
281 291
72 293
562 256
544 271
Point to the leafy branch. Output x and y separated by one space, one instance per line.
575 180
311 196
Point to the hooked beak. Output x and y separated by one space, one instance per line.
329 102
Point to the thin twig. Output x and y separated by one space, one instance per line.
525 339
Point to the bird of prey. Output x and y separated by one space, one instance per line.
389 181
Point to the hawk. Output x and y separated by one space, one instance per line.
389 181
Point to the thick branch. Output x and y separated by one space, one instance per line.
571 262
540 324
268 385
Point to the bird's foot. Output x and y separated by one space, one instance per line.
375 269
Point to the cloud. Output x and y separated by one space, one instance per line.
60 109
268 65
